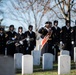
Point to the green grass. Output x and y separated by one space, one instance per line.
38 70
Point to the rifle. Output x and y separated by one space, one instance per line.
27 39
17 44
10 42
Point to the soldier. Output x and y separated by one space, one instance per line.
31 39
20 41
47 41
10 37
56 36
2 41
66 36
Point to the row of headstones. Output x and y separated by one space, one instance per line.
26 62
18 58
64 62
47 62
7 64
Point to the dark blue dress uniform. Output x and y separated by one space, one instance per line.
11 46
56 34
32 43
56 37
20 47
2 42
66 38
48 47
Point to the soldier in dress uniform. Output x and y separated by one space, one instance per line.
47 41
31 40
66 36
20 41
2 41
56 36
10 37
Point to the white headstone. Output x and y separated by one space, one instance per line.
75 54
18 60
64 64
7 65
27 64
38 44
36 57
47 61
64 52
39 47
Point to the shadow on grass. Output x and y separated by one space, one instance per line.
73 65
39 69
55 68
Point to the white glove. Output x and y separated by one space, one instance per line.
52 47
13 38
61 42
21 42
27 48
72 42
27 39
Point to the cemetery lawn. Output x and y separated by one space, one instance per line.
38 70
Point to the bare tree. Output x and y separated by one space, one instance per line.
33 11
28 11
66 7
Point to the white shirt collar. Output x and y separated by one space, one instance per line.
20 33
67 27
30 31
55 27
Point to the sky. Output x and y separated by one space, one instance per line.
9 19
